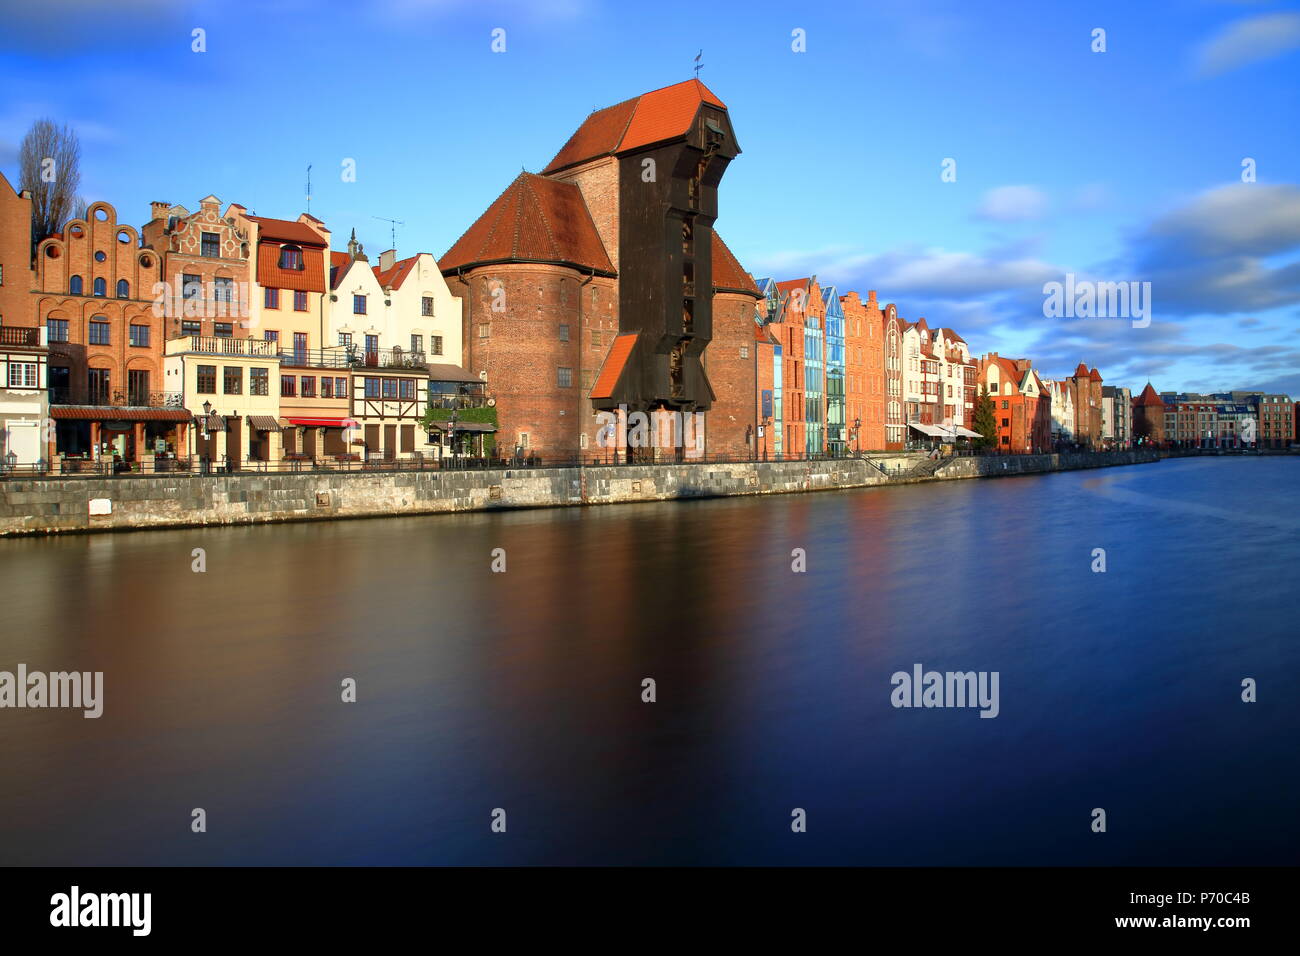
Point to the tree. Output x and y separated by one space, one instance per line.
49 167
985 422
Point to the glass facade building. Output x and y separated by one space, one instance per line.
835 396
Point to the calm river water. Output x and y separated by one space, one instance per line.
522 690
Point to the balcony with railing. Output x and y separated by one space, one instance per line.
351 356
15 336
116 398
224 345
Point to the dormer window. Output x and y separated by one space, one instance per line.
291 257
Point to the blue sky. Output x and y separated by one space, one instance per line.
1116 166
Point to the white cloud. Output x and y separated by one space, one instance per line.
1249 41
1012 204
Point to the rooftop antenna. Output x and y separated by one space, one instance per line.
698 65
393 224
309 189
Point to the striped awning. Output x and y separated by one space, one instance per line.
263 423
213 423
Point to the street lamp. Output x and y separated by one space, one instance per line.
452 437
857 435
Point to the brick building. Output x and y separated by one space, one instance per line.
1085 388
1022 405
16 278
864 364
731 361
94 296
205 266
590 287
1149 418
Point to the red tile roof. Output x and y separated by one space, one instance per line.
728 274
1095 375
396 275
1081 371
534 220
1148 397
613 367
95 413
338 267
641 121
286 230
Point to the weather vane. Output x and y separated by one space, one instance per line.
698 65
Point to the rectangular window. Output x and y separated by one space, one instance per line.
435 344
207 380
224 330
340 388
300 301
234 380
191 327
192 286
345 338
57 329
406 388
358 305
426 305
140 336
309 386
483 330
271 298
22 374
564 377
98 380
210 245
417 343
372 343
564 332
99 333
390 388
1006 423
290 258
288 386
372 388
744 351
259 381
1006 404
300 348
223 290
327 387
271 335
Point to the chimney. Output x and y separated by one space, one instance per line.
158 210
387 259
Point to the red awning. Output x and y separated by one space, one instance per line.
323 422
111 414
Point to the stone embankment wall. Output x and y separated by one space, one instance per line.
45 506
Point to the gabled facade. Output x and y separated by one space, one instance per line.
109 399
864 371
895 360
207 279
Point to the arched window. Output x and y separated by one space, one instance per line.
123 289
74 285
101 288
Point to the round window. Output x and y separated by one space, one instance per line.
99 255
